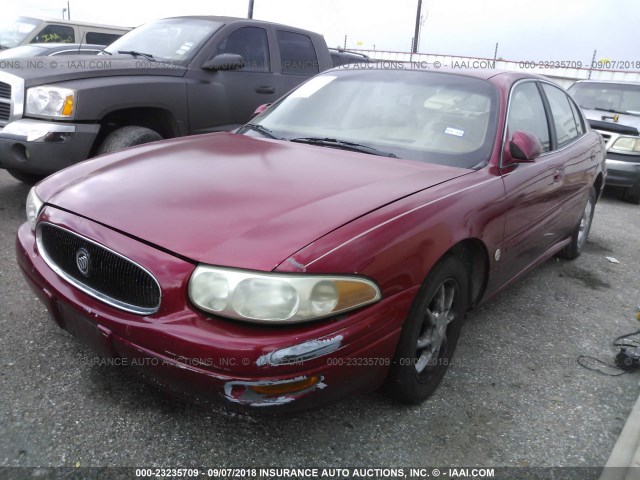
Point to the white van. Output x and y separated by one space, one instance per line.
24 30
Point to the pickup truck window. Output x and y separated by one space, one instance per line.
252 44
297 54
170 39
100 38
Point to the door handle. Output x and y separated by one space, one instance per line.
265 89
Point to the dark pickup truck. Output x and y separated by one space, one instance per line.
168 78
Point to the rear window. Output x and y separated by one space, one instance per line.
99 38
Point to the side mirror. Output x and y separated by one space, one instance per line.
260 109
524 147
225 61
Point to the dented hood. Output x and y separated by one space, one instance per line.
232 200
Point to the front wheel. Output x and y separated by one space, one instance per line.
430 333
125 137
581 233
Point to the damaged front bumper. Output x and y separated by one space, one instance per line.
41 147
252 367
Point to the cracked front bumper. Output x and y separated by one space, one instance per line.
238 364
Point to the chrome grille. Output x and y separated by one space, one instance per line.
5 102
98 271
5 112
5 90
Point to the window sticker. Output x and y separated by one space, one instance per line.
454 131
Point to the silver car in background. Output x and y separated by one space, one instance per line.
613 109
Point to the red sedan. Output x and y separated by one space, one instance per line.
331 246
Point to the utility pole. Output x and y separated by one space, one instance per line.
68 11
250 14
416 35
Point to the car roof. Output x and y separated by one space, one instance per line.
70 46
227 20
72 22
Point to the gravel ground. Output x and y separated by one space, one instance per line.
514 397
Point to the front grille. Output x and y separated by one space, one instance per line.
108 276
5 112
5 90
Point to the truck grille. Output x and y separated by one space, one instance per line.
5 90
5 103
5 112
98 271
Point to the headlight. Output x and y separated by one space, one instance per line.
627 144
51 101
277 298
34 205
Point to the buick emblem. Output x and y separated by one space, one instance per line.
83 261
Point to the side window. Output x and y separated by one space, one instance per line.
578 117
565 123
55 34
526 113
99 38
297 54
252 44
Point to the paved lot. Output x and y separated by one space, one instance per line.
515 397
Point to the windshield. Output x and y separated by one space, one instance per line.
614 97
431 117
14 30
171 39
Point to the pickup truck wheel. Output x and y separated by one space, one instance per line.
581 233
28 178
632 195
129 136
430 333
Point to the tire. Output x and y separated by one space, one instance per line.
27 178
581 233
632 195
125 137
430 333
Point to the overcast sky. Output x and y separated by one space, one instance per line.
525 29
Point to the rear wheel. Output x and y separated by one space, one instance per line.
125 137
430 333
581 233
28 178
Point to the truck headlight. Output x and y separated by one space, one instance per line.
627 144
33 207
277 298
50 101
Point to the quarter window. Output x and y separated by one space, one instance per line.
297 54
252 44
526 113
563 119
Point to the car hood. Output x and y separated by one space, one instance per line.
232 200
42 70
604 120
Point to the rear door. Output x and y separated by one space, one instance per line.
298 58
